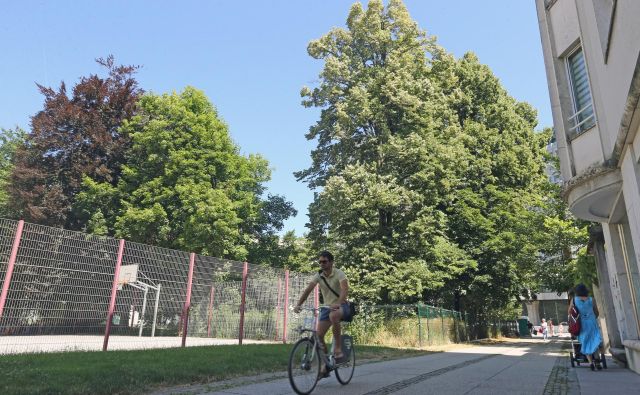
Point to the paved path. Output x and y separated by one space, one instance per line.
516 367
615 380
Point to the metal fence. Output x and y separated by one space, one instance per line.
409 326
64 290
421 325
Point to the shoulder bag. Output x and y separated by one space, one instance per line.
574 321
353 307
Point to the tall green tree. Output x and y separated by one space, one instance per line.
428 172
283 251
386 156
10 140
493 215
563 239
75 135
185 184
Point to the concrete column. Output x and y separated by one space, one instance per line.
602 321
619 282
605 300
631 231
631 192
533 311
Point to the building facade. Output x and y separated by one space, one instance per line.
592 57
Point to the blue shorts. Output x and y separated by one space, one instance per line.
346 313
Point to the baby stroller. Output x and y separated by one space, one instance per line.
577 357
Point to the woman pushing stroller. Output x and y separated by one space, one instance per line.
589 337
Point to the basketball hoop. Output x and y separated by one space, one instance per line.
128 274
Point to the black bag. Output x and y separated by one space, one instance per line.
353 307
347 345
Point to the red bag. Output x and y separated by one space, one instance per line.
574 321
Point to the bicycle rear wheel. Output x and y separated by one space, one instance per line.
304 366
344 371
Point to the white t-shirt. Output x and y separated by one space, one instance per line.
544 326
334 280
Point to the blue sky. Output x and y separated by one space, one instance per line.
249 57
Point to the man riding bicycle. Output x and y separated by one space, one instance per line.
334 287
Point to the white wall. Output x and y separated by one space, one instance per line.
587 150
631 191
564 19
610 82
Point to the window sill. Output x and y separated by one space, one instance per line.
576 135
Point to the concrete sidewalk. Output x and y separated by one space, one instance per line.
513 367
582 380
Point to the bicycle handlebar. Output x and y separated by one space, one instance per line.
326 306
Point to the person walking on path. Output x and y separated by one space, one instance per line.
589 337
551 328
334 287
544 329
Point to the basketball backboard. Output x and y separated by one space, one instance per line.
128 274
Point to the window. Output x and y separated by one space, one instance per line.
583 116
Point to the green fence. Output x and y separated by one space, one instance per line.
422 326
408 326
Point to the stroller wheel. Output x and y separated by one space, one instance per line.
573 362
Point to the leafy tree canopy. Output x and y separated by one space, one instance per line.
430 177
73 136
10 140
185 184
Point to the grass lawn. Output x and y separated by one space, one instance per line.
126 372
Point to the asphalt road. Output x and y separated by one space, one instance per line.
529 366
522 367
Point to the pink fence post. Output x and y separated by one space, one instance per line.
278 307
286 306
210 311
114 290
316 303
12 263
245 273
187 299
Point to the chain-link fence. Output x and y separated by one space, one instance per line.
64 290
408 326
422 325
493 328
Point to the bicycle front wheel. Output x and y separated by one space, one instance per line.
344 371
304 366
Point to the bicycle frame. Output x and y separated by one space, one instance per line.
326 357
309 351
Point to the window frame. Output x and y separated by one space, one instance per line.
578 129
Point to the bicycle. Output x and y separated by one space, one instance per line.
307 354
